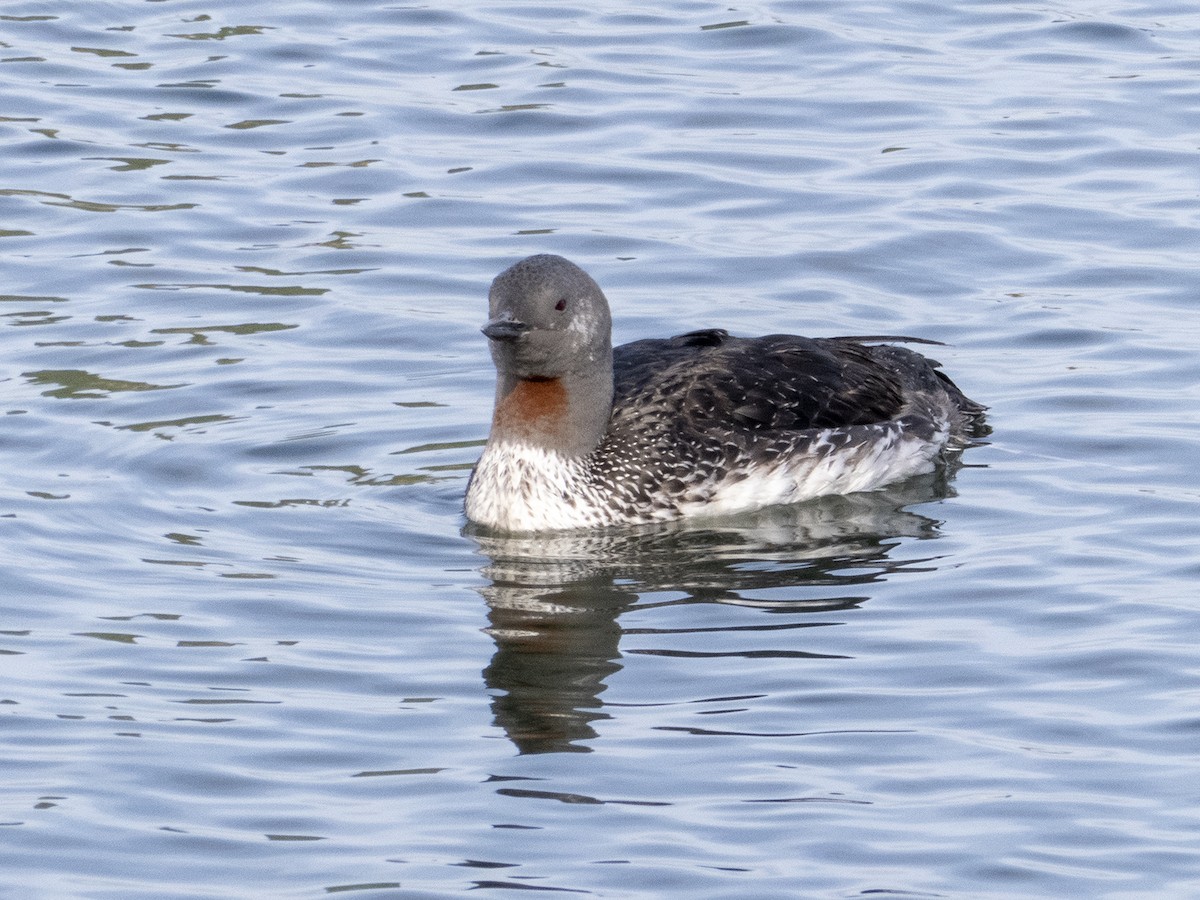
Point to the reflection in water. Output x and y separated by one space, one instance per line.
554 600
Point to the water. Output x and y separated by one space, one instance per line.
247 647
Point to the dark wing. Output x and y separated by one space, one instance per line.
780 382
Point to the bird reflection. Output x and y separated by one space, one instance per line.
554 600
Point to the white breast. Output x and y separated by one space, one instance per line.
518 487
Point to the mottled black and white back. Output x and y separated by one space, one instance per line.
699 424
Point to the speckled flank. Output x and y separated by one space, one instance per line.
699 424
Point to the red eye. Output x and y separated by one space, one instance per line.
561 304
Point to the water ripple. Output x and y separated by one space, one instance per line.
246 251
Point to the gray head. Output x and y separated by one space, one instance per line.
549 319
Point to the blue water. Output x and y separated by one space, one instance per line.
246 647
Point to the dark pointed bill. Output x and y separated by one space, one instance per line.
504 329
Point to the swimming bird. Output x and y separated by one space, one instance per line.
585 436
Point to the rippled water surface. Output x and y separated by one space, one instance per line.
247 648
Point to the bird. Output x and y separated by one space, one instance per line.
585 436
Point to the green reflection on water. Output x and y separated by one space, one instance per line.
77 384
175 423
288 290
199 333
225 32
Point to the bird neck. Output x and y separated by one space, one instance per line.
568 414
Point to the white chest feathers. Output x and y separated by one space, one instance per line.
519 487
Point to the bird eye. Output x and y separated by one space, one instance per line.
561 304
